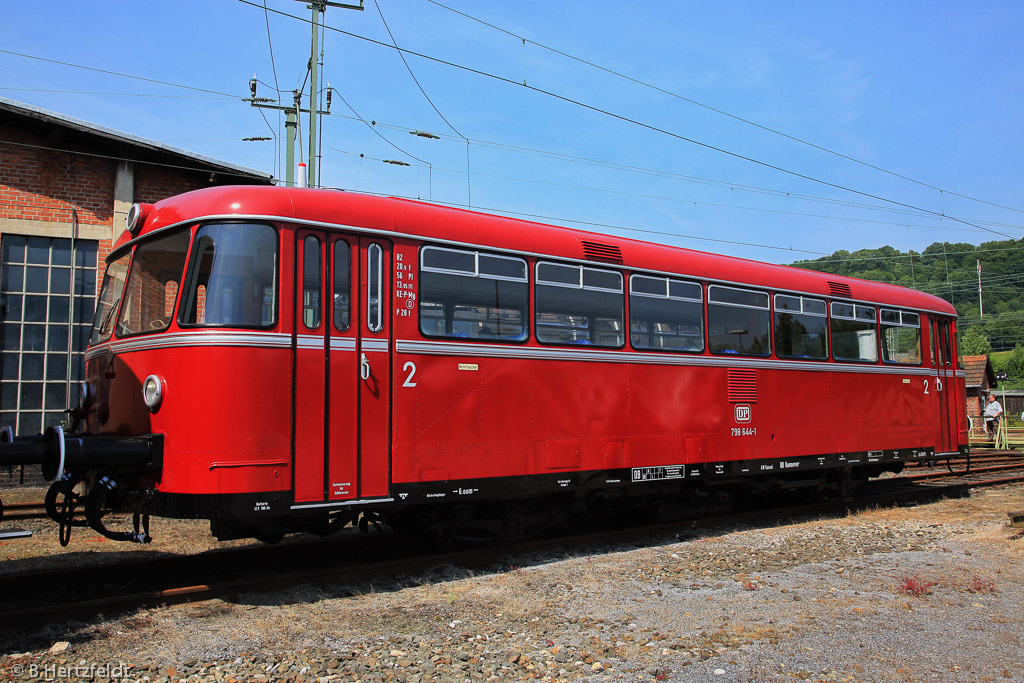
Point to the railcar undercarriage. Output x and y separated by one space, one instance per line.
90 477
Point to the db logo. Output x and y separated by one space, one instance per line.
742 414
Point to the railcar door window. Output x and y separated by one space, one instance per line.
374 287
854 333
153 284
801 327
342 286
901 337
468 294
738 321
232 277
665 314
311 282
579 305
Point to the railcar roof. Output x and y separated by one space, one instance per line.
437 222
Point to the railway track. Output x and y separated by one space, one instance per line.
21 511
357 560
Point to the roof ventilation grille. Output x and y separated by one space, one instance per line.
839 289
742 386
595 251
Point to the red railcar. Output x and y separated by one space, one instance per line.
285 359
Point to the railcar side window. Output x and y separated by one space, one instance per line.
738 321
579 305
901 337
155 274
665 314
232 277
469 294
854 333
801 327
110 298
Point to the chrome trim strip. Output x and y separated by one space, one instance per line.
275 340
309 341
220 338
374 344
343 344
493 351
341 503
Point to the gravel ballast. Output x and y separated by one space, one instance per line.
927 593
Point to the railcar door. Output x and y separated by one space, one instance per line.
374 382
309 344
342 367
945 384
343 371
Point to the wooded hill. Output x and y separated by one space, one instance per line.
950 270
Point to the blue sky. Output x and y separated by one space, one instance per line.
932 91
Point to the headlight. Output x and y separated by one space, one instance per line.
153 390
83 394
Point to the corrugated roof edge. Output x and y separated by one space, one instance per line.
139 141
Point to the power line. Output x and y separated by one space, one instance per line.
373 129
413 75
723 184
919 256
277 88
122 75
555 220
716 110
116 94
427 98
913 210
220 171
674 199
640 124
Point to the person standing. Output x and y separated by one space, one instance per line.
993 411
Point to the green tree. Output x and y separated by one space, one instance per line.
1015 363
973 342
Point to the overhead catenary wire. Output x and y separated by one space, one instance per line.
277 89
681 200
595 224
635 122
120 74
716 110
922 212
724 184
120 94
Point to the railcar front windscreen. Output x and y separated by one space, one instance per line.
232 277
110 298
153 285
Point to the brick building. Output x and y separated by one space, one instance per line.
65 188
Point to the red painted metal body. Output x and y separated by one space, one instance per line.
314 411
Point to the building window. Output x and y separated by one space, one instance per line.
46 308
